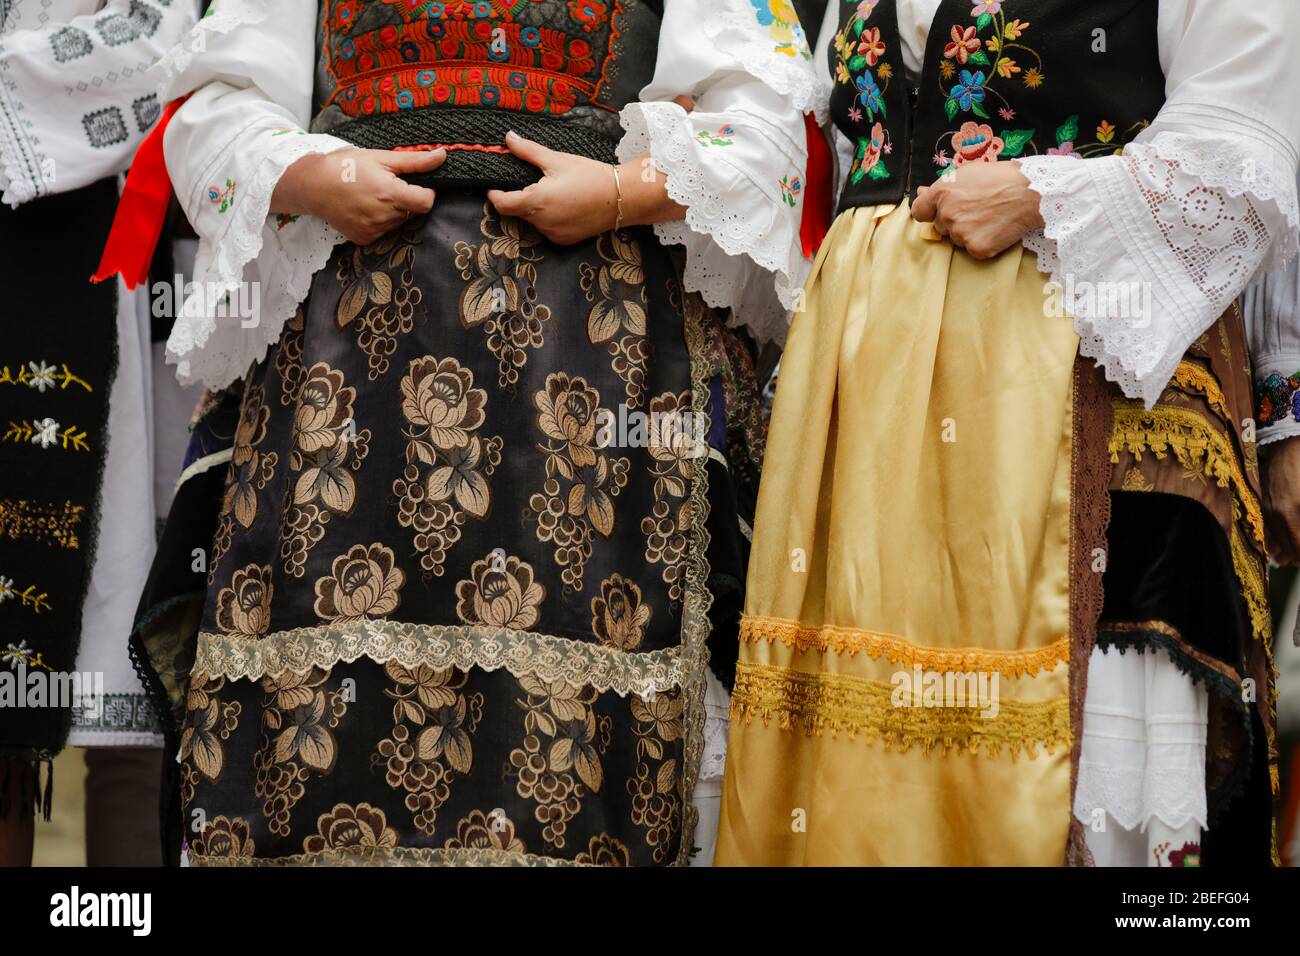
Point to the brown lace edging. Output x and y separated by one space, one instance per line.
1091 426
849 640
698 599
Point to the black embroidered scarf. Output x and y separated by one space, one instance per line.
59 337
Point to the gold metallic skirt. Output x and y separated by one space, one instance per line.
903 691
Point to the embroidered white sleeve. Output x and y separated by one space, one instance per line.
76 95
1151 246
737 160
248 72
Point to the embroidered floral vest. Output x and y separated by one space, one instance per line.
460 73
1000 79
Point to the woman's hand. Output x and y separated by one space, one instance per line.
984 208
1281 467
357 191
577 198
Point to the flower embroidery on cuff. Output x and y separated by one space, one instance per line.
1277 399
222 197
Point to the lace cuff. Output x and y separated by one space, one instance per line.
209 344
741 232
1150 247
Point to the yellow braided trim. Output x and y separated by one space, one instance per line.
1198 448
1192 376
850 640
855 706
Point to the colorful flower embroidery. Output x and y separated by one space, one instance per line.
975 143
589 13
967 95
866 160
790 189
223 198
871 46
720 138
1187 855
964 47
974 88
1278 398
783 25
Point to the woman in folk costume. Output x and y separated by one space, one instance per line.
86 431
494 440
963 528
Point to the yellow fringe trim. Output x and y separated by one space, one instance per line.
849 640
855 706
1191 376
1255 590
1198 447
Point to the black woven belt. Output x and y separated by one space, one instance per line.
474 127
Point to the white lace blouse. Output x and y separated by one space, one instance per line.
1200 204
249 67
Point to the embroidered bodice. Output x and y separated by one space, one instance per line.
999 80
464 71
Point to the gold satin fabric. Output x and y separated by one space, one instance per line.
914 513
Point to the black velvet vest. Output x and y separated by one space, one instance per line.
999 80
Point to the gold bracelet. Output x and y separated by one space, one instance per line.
618 190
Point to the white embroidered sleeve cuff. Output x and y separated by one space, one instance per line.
1149 249
252 269
1277 397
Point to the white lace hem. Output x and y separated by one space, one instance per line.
1135 796
732 224
1146 232
218 351
730 26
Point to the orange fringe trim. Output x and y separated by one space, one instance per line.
847 640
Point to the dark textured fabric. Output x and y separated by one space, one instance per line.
1062 76
1186 573
439 126
60 338
597 324
162 639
